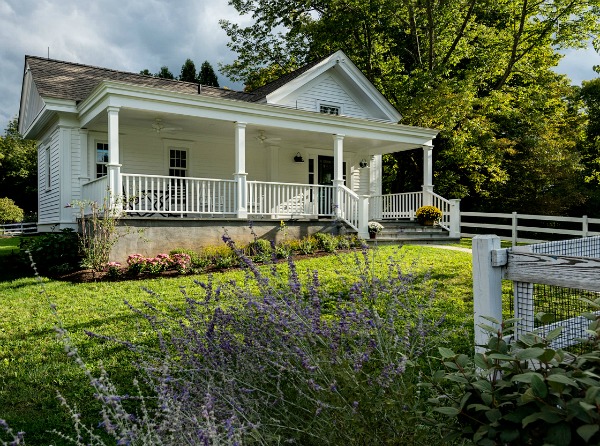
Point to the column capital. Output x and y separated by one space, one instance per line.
113 109
338 136
428 145
240 125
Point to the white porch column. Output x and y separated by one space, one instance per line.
338 171
114 167
240 170
427 173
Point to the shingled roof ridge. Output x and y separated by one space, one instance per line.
130 73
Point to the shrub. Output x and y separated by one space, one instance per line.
196 261
326 242
259 250
9 211
284 249
53 252
523 393
307 245
221 256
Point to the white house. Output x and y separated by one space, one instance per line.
183 160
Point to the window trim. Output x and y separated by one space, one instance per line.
337 105
96 163
48 168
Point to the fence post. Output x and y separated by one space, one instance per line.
487 286
363 216
514 229
455 218
584 228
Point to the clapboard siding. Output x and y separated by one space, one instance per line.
326 89
49 198
75 164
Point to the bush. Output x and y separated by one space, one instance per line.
523 393
259 250
196 260
10 212
326 242
307 245
53 252
221 256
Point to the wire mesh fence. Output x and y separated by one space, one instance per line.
563 306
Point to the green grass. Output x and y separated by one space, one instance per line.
9 245
33 365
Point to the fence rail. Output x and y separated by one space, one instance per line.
547 277
289 199
527 228
18 228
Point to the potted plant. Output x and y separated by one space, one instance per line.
428 215
374 228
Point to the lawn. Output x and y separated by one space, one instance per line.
34 366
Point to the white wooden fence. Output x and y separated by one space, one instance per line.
570 264
18 228
527 228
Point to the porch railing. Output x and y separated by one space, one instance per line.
289 199
155 194
443 205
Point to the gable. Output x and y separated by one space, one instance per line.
31 102
335 80
327 89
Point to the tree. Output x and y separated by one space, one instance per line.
188 72
164 73
9 211
146 72
18 168
207 75
459 66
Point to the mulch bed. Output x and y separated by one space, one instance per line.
88 275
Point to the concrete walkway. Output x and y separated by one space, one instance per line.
452 248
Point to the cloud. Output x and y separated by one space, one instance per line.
127 35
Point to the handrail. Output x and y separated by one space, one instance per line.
348 207
445 206
289 199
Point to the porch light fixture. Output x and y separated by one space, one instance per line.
363 163
298 158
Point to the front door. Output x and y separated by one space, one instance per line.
325 170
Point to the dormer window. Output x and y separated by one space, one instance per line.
329 109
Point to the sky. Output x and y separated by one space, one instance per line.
132 35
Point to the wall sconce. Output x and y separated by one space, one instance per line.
363 163
298 158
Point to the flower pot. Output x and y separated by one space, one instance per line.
428 222
372 235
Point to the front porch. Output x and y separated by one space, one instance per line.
156 196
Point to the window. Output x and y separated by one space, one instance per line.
329 109
101 159
177 162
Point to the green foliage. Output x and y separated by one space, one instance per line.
259 250
53 252
326 242
188 71
207 76
18 168
522 393
9 211
98 232
164 73
479 72
307 245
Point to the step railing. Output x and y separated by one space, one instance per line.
96 191
348 207
395 206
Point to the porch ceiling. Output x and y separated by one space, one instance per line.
176 126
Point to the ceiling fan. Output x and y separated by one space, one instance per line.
158 127
262 138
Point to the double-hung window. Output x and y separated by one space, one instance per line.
101 159
178 162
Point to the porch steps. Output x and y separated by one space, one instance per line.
407 231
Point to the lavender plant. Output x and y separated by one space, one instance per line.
294 362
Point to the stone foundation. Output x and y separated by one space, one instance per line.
151 236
